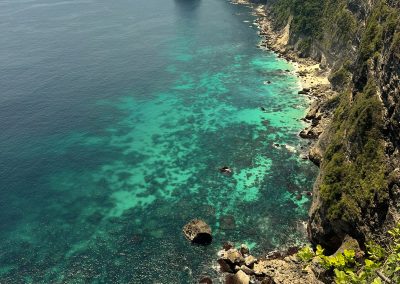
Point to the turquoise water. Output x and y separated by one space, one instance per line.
115 118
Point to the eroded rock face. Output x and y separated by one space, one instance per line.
198 232
377 217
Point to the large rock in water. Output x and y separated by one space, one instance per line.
198 232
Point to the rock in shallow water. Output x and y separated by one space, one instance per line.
227 222
198 232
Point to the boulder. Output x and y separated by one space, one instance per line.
292 250
314 122
198 232
351 244
249 260
232 256
308 134
312 113
224 266
240 278
227 246
225 170
244 249
315 155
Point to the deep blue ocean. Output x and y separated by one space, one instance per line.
114 119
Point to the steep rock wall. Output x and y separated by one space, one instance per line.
358 187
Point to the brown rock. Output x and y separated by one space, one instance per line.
315 155
232 256
350 244
309 134
259 267
224 266
198 232
249 260
292 250
241 278
227 246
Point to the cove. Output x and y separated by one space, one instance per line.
116 116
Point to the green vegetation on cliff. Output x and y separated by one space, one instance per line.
316 22
354 169
349 266
354 36
305 16
354 183
382 21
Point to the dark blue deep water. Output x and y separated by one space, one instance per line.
114 119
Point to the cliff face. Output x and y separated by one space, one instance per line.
358 187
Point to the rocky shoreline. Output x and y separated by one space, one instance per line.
279 267
240 267
313 77
356 210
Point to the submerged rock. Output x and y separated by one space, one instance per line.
227 222
205 280
198 232
225 170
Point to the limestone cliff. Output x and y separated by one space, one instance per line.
357 191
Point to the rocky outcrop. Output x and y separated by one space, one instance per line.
198 232
239 277
277 268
